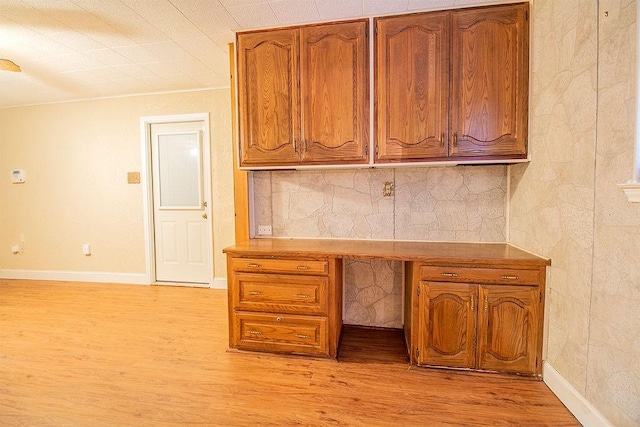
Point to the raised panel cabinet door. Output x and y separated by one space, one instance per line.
447 324
412 87
268 97
334 80
490 78
509 327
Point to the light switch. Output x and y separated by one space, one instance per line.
133 177
18 176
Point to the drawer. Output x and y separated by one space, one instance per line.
293 266
280 293
280 333
479 275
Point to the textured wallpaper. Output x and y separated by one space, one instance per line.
462 203
565 204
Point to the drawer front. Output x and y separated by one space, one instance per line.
280 333
293 266
479 275
280 293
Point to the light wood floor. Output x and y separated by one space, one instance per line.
77 354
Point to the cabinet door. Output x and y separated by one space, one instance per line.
490 75
268 97
334 79
447 324
509 327
412 87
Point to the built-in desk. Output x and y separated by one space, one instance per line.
467 305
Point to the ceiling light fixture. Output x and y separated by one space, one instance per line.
7 65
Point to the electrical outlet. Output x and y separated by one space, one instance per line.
264 230
387 189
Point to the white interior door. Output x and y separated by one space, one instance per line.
180 205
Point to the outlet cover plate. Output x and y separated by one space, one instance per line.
264 230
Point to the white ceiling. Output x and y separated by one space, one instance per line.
81 49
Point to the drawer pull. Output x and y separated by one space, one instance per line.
302 296
510 277
253 265
302 267
254 293
304 337
252 332
450 274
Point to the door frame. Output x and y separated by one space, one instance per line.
147 181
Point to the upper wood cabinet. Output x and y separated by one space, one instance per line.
452 85
268 97
304 95
412 87
449 86
490 81
334 80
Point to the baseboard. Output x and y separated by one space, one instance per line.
92 276
219 283
76 276
580 407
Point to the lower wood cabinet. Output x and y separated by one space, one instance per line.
475 306
455 320
285 305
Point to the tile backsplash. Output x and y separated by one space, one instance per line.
455 203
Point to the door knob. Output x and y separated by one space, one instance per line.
204 215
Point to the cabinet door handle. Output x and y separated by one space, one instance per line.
510 277
302 296
252 332
254 293
473 303
450 274
252 265
302 267
304 337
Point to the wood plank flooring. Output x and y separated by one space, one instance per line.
80 354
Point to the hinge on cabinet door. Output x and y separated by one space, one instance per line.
305 146
417 353
377 150
526 15
539 297
418 289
